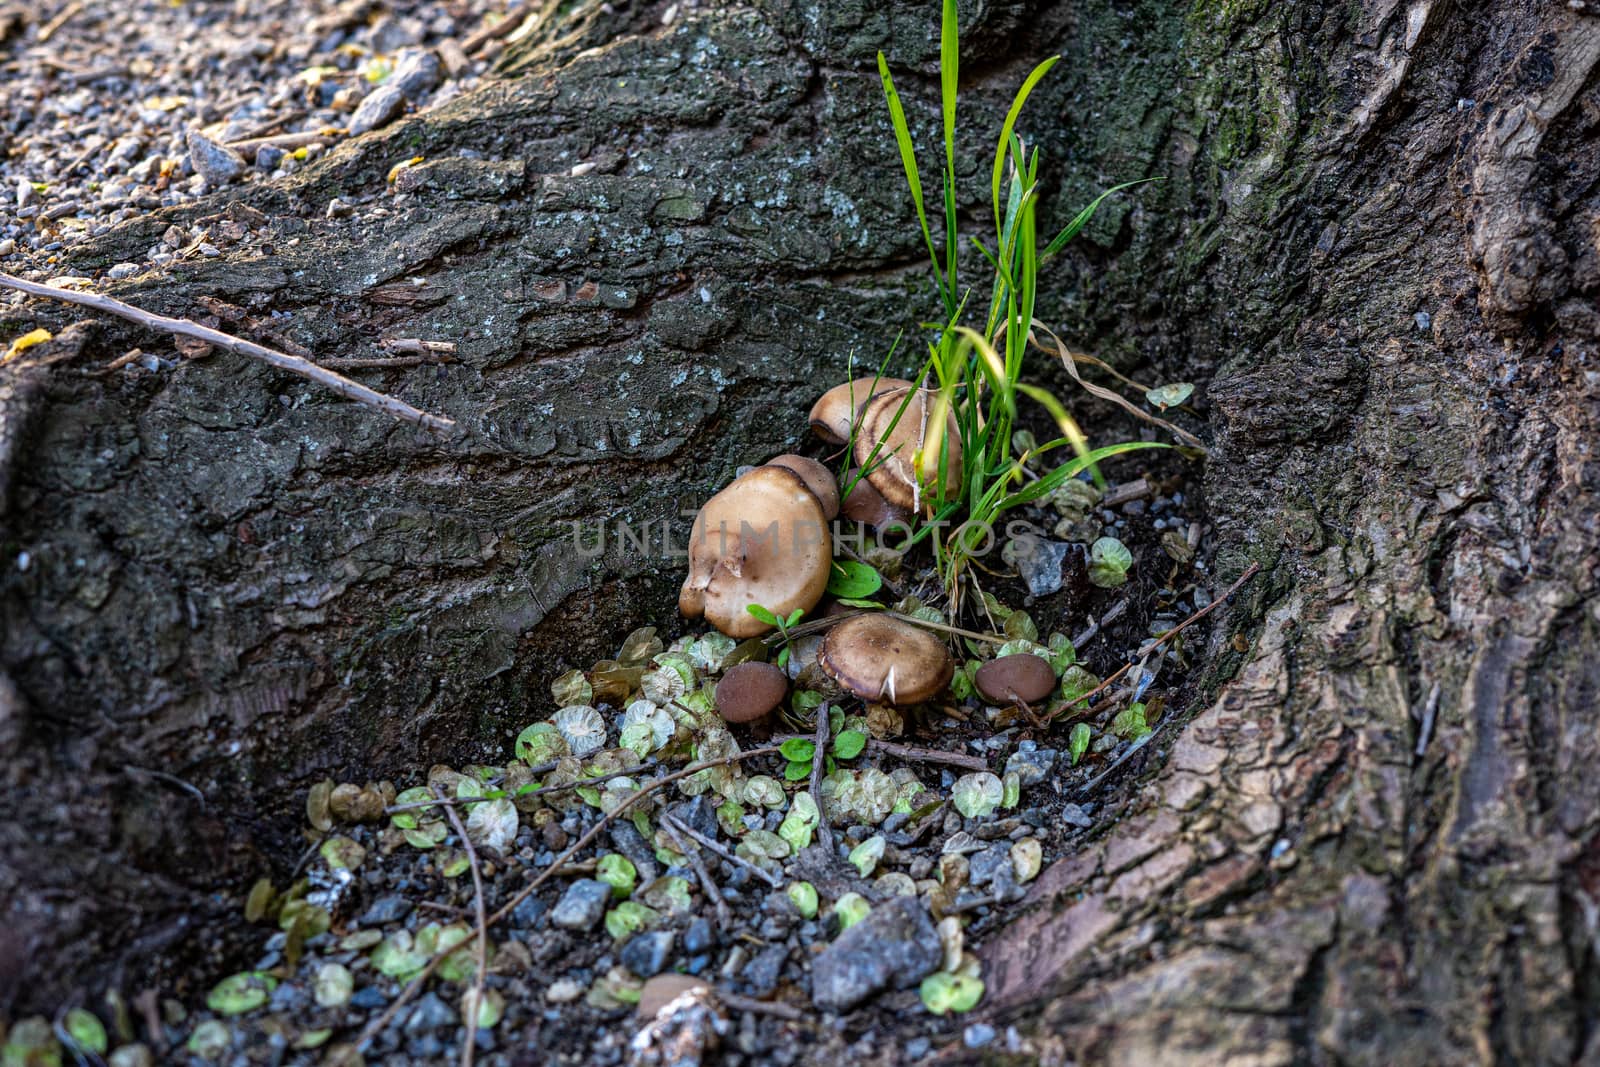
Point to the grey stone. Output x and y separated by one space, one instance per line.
379 109
268 157
386 910
986 864
215 162
627 840
700 937
698 815
1031 765
648 954
582 905
369 998
431 1013
416 72
122 270
977 1035
760 975
1039 562
895 946
1072 813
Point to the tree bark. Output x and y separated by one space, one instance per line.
1375 247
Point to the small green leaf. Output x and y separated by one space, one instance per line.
86 1031
618 872
1130 723
797 770
783 658
803 895
865 856
1109 560
851 602
1078 741
242 992
763 614
851 909
795 616
944 992
853 579
1169 396
849 743
798 748
977 794
628 918
801 821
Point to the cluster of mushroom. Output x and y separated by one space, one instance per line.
765 540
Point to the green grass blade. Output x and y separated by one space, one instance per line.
1083 217
1005 137
1071 469
908 159
949 78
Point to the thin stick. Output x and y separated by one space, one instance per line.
469 1041
702 872
59 21
913 754
760 1007
1096 626
824 831
1249 572
376 1026
346 388
771 879
929 755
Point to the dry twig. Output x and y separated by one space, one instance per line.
766 876
702 872
824 831
346 388
470 1026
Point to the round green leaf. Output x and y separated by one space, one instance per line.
849 743
850 578
944 992
803 895
242 992
86 1031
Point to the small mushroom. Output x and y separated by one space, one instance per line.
762 540
837 410
892 472
750 690
1023 677
818 479
866 504
885 660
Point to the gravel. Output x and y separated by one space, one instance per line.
130 107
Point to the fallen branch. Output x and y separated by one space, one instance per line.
346 388
929 755
470 1026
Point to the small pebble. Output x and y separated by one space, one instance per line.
378 109
215 162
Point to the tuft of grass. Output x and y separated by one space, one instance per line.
977 372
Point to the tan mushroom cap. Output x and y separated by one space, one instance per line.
818 479
750 690
831 415
885 660
1023 677
866 504
892 473
762 540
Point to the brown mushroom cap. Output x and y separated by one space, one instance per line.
750 690
762 540
663 989
892 472
885 660
818 479
1023 677
832 414
866 504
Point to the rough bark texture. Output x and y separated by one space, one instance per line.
237 581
